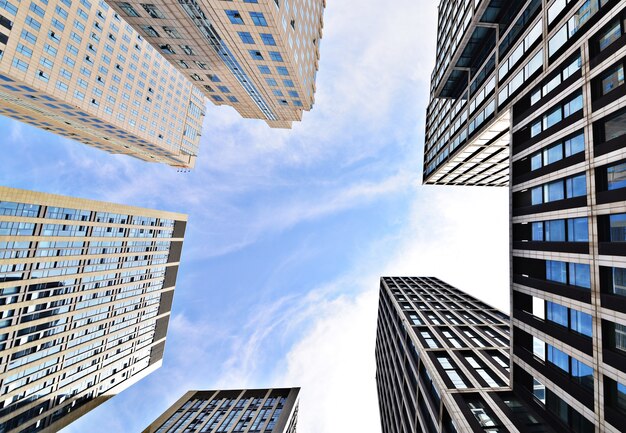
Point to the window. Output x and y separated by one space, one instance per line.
553 83
270 81
223 89
609 36
612 79
617 224
234 16
570 318
275 56
557 114
482 372
128 9
232 99
172 32
282 70
574 274
616 176
451 371
570 187
618 285
268 39
580 372
246 37
613 126
573 25
430 340
150 31
217 98
258 19
152 10
288 83
557 152
20 64
266 70
256 55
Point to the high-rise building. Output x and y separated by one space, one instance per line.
74 67
442 362
86 289
531 94
258 56
231 411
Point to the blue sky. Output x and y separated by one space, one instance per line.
290 230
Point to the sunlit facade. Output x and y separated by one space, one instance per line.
76 68
258 56
86 290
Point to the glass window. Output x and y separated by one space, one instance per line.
535 162
539 391
580 275
556 271
610 36
553 154
234 16
577 230
537 195
615 127
256 55
553 117
582 373
558 358
246 37
613 79
620 337
268 39
576 186
537 231
557 313
453 374
539 348
575 145
553 191
580 322
621 397
258 19
555 231
616 176
619 281
618 227
152 10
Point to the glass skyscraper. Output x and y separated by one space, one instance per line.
531 94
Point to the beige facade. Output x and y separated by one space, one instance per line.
258 56
86 290
76 68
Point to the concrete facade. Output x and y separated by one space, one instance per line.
77 69
257 56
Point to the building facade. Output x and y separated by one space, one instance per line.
258 56
86 290
74 67
442 362
547 79
231 411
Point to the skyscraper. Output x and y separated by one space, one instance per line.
442 362
532 94
74 67
86 290
231 411
258 56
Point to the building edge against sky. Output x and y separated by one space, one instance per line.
543 112
273 410
86 289
442 362
74 67
258 56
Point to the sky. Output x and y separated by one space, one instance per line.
290 230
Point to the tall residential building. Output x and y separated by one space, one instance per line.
532 94
74 67
231 411
258 56
442 363
86 289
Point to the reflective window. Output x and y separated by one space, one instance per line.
618 227
616 176
612 79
